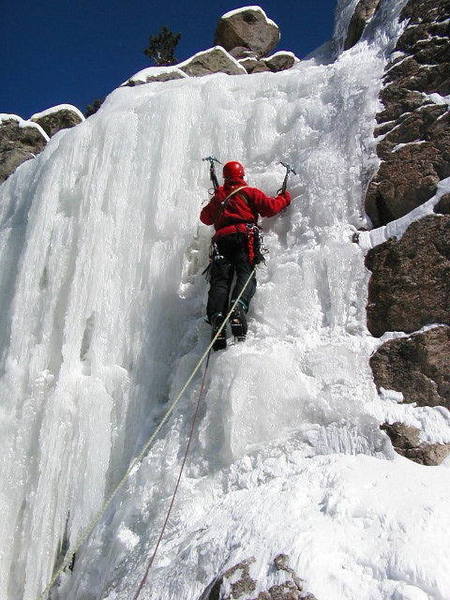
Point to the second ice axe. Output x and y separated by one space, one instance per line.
289 169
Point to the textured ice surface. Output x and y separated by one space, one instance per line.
102 304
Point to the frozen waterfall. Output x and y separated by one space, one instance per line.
102 303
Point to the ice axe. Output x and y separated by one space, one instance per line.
212 170
289 169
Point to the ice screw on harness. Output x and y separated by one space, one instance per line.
212 170
289 169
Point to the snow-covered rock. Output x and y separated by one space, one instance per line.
63 116
154 74
20 140
213 60
280 61
247 27
364 11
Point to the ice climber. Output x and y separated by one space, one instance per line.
234 211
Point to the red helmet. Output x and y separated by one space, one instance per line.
233 170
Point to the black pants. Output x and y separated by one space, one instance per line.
232 260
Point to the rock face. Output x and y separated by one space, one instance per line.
364 11
60 117
249 28
237 583
443 206
406 441
409 174
277 62
417 366
214 60
18 143
410 283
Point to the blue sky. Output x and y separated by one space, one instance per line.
73 51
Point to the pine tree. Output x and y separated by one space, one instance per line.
161 47
93 107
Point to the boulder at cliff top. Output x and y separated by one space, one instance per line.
63 116
247 27
214 60
19 141
410 283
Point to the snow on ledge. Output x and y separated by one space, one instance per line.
205 52
236 11
23 124
283 53
375 237
55 109
10 117
143 75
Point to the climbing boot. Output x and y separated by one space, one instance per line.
221 341
238 322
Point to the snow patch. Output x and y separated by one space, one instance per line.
127 537
398 147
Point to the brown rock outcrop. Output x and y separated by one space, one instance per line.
408 176
280 61
406 441
410 283
214 60
63 117
248 28
154 75
241 585
443 206
417 366
364 11
18 143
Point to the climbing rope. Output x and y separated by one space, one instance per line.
172 501
96 518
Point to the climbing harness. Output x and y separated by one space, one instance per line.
134 464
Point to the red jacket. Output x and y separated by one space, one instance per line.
240 208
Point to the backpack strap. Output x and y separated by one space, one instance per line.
224 202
